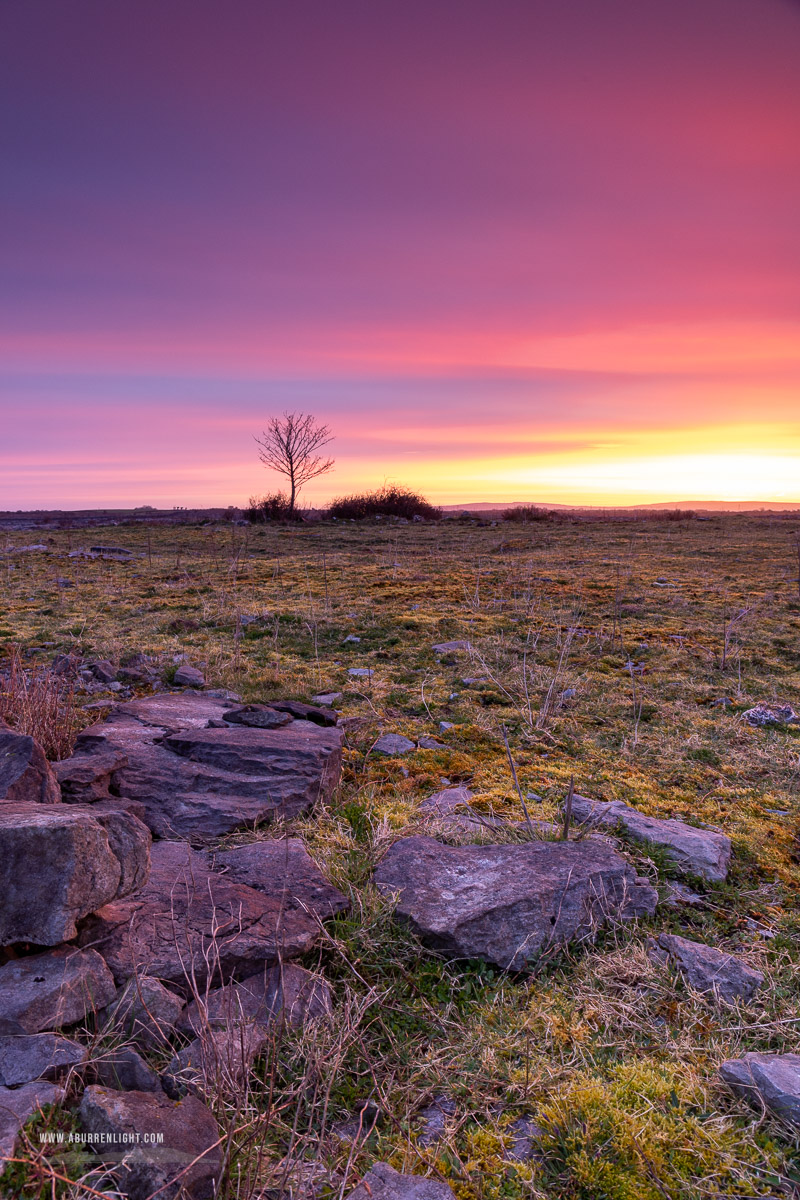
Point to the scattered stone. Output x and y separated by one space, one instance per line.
125 1070
707 969
680 893
47 991
698 851
17 1106
525 1133
102 670
449 647
287 992
257 716
85 778
189 917
307 712
25 774
355 1130
351 637
186 1131
327 699
200 783
187 676
282 867
433 1120
143 1012
508 904
360 672
59 862
391 744
770 714
30 1056
218 1061
767 1081
430 743
382 1182
450 800
445 725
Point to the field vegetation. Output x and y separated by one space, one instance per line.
621 654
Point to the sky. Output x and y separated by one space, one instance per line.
505 249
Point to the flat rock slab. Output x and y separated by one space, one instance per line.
446 802
26 776
59 862
86 778
186 1130
31 1056
510 904
767 1080
699 851
190 918
317 713
770 714
281 867
49 991
18 1105
286 992
198 782
382 1182
393 743
710 970
449 647
257 716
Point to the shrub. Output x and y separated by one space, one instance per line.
274 507
391 500
523 513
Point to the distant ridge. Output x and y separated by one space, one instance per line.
665 506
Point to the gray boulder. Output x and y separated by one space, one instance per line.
710 970
769 1081
86 778
510 904
30 1056
125 1070
770 714
217 1062
60 862
180 1133
144 1012
199 782
48 991
382 1182
187 676
189 918
26 776
446 802
393 743
18 1105
449 647
281 866
286 992
316 713
699 851
257 716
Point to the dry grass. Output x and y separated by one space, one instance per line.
36 702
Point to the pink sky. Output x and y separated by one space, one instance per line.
505 249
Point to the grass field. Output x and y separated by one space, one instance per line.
622 654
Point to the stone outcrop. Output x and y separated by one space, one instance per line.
186 1129
281 867
218 1061
125 1070
510 904
200 782
30 1056
86 778
18 1105
770 1081
698 851
382 1182
710 970
59 862
143 1012
48 991
189 918
26 776
286 992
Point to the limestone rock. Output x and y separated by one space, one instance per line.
393 743
168 927
30 1056
710 970
144 1012
286 992
48 991
449 800
85 778
382 1182
59 862
187 676
257 716
282 866
509 904
217 1061
772 1080
187 1129
198 782
18 1105
433 1120
125 1070
449 647
699 851
26 776
316 713
770 714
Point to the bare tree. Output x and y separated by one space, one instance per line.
289 446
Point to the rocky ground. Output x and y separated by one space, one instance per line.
401 862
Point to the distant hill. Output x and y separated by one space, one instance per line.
668 506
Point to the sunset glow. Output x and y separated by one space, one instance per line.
507 251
